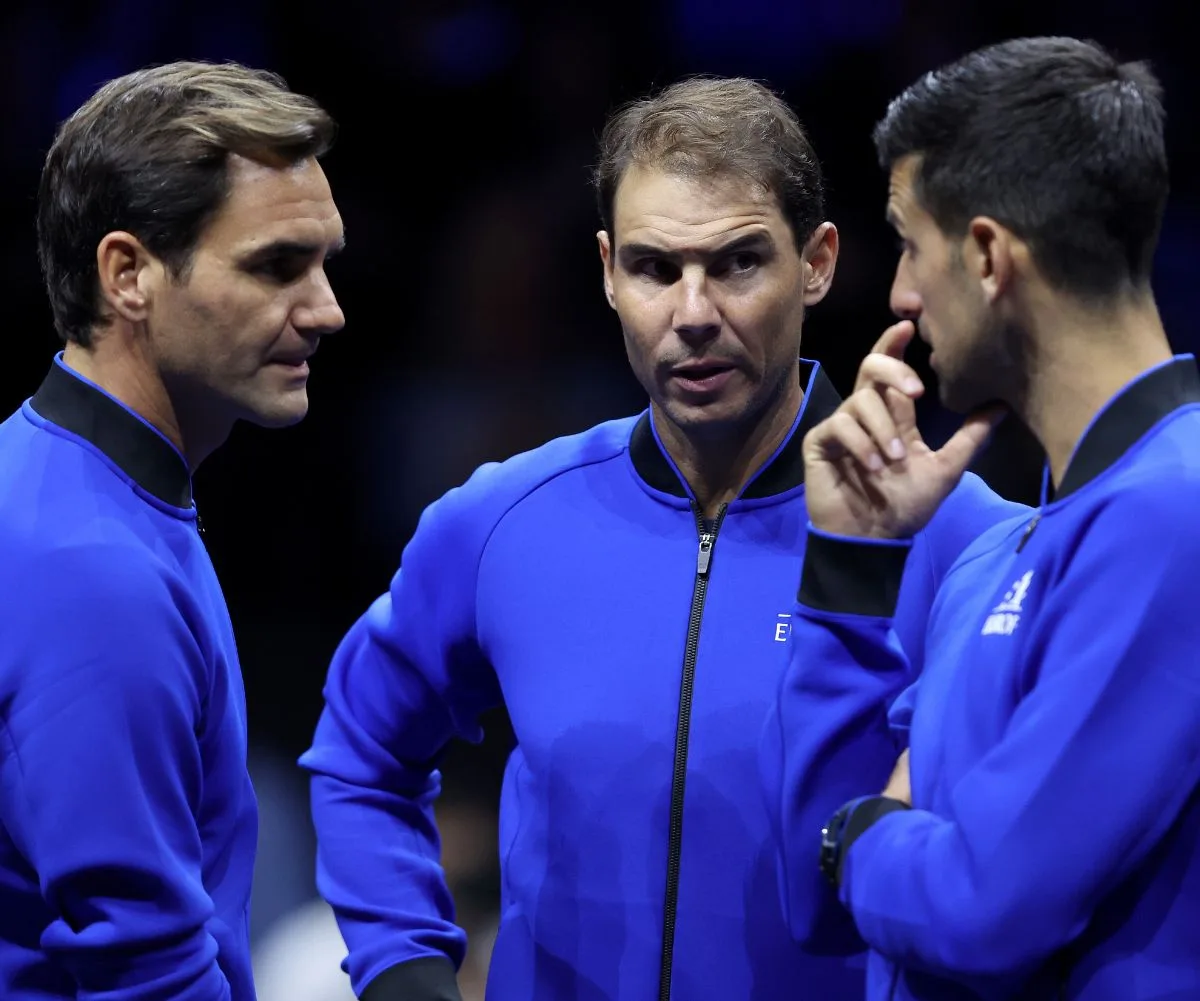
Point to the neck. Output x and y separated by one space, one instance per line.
1081 360
115 364
717 462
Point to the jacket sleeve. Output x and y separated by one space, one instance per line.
841 716
1099 758
407 678
101 775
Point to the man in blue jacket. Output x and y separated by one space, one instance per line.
1039 837
183 223
625 593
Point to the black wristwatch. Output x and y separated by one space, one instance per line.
847 826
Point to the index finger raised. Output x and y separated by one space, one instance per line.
895 339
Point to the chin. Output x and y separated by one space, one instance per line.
715 415
963 396
282 412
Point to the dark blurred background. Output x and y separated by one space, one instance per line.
476 324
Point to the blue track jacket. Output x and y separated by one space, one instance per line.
637 650
1054 848
127 819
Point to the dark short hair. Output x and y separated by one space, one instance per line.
1054 139
712 126
148 154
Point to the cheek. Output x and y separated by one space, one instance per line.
643 325
964 309
209 314
769 326
639 349
250 323
184 326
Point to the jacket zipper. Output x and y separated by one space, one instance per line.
1030 529
708 540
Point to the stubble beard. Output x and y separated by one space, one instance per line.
991 368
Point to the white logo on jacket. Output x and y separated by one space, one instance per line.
783 627
1006 616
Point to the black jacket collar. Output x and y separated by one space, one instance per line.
144 455
1128 416
783 472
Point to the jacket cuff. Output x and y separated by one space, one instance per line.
852 576
865 815
430 978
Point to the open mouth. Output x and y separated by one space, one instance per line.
703 378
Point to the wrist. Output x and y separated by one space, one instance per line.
847 826
427 978
853 576
842 527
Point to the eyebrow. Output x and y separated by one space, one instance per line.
294 248
751 240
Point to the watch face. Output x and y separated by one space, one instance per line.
830 843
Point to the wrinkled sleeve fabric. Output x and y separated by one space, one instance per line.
101 774
841 716
407 678
1096 764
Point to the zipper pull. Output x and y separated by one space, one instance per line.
1037 516
705 555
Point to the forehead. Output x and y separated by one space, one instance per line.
681 211
266 204
903 204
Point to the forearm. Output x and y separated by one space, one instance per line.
828 738
378 867
118 858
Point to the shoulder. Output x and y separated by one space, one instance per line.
1149 502
1163 468
530 470
106 584
496 487
974 501
972 513
106 609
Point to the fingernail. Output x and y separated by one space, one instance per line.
896 449
875 462
912 385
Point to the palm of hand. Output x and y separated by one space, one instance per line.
894 502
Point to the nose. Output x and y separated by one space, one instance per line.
319 314
697 318
904 299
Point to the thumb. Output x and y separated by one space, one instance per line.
966 442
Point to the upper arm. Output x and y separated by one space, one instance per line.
410 673
105 690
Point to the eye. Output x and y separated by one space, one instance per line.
656 269
739 264
282 270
